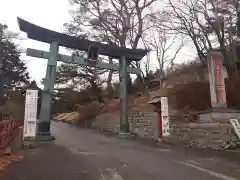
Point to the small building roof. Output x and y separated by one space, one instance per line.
32 85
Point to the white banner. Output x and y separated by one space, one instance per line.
165 117
236 126
30 117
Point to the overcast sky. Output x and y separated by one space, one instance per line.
50 14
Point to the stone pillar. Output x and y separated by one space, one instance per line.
123 78
46 104
216 74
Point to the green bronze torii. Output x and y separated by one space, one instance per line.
55 40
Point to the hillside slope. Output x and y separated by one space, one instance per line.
110 106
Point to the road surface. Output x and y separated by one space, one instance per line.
81 154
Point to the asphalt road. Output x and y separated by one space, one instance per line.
81 154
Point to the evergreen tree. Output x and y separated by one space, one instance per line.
13 71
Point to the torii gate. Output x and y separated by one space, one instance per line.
55 40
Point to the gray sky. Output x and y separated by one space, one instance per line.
50 14
46 13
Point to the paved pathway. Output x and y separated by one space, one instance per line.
80 154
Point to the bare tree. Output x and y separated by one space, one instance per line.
186 19
165 46
209 24
77 77
225 25
121 21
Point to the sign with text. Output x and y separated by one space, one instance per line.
165 117
236 126
30 117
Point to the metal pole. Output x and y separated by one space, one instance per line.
46 104
123 78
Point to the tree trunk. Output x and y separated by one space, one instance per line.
109 81
96 92
129 80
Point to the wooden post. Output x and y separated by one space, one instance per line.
46 104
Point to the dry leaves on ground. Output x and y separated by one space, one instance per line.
6 160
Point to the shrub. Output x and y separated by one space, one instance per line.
193 96
87 113
12 110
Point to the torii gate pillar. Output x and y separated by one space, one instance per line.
124 124
49 81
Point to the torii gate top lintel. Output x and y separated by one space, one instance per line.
48 36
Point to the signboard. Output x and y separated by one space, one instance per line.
165 117
30 117
236 126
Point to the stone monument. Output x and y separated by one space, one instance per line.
216 75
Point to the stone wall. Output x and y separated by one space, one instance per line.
142 124
107 122
219 115
203 135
